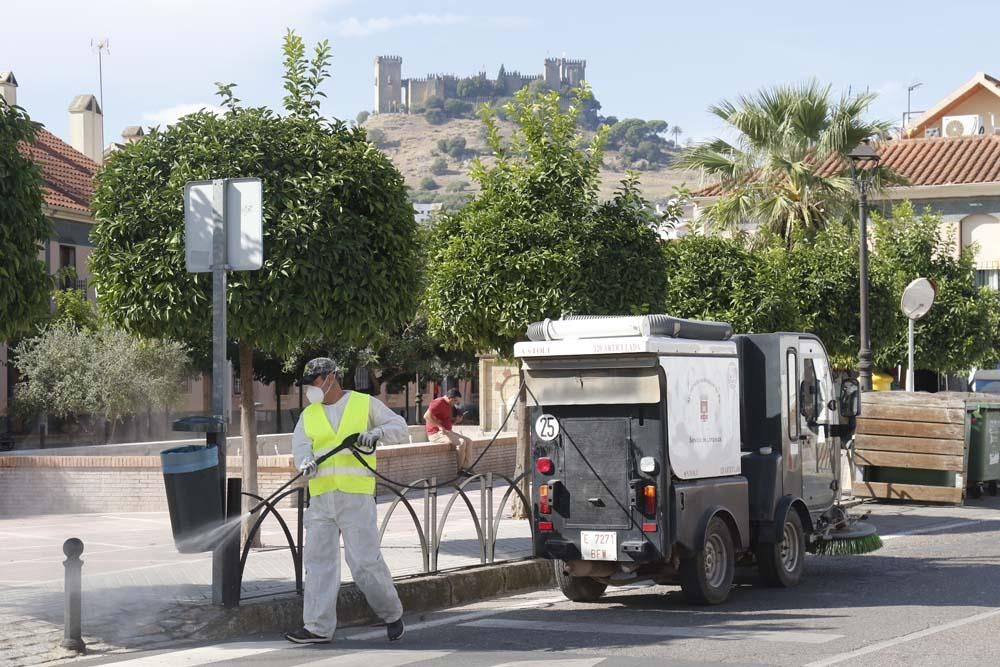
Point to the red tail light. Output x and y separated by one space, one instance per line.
545 526
649 500
545 466
543 500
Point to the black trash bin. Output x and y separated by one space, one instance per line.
191 478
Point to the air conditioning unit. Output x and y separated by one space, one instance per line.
932 132
962 126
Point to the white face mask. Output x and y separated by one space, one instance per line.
315 394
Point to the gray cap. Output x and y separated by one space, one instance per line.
318 366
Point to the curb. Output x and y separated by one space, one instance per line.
423 593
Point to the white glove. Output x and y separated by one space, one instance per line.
308 468
369 439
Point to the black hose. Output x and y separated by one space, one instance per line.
456 477
349 442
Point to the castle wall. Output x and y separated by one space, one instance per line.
421 91
393 94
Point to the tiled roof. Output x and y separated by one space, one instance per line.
927 161
68 173
937 160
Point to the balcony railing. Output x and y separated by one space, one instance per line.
73 284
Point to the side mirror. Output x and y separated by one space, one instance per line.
850 398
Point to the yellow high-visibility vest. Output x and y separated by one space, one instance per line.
343 471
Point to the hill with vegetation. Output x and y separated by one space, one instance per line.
434 153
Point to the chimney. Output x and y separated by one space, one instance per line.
132 134
8 88
86 127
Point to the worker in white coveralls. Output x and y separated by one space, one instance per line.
342 502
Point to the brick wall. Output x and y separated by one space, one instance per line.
32 485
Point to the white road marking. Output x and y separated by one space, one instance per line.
844 657
792 636
206 655
461 618
377 658
934 529
41 582
548 662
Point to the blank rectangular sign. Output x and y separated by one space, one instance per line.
244 225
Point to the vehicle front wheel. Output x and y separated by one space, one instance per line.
707 577
780 564
578 589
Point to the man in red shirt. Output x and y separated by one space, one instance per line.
438 424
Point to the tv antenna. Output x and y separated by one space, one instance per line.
100 47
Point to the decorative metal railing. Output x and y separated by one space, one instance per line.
429 528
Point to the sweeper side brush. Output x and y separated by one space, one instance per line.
856 539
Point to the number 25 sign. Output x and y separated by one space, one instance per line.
547 428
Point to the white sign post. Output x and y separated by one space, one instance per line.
918 297
223 231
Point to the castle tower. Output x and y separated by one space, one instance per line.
553 77
572 72
388 84
561 72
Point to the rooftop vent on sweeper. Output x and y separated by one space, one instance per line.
613 326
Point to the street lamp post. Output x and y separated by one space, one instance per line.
863 159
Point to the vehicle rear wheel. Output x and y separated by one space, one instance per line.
578 589
707 577
781 564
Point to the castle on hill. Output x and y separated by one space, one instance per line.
394 94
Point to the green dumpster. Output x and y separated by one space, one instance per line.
984 448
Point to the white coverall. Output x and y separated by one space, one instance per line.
353 515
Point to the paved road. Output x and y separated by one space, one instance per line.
930 597
133 576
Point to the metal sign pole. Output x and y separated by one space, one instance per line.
909 368
219 365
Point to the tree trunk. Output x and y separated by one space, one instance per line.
277 402
248 427
523 457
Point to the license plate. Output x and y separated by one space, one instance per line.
599 545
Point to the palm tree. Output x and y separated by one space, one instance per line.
676 131
786 172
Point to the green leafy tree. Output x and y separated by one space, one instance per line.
770 175
534 242
439 166
962 328
717 278
24 285
436 116
361 117
537 241
376 136
338 230
68 372
457 108
72 306
457 147
428 183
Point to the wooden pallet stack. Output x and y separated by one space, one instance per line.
912 432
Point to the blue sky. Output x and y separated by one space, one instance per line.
663 60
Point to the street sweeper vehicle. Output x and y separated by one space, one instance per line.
671 450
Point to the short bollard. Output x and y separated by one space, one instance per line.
73 547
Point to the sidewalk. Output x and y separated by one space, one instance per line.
133 575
